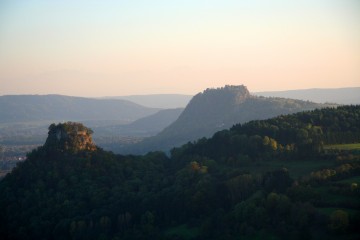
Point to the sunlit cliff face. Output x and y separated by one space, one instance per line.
70 136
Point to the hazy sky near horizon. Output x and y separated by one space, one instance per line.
108 48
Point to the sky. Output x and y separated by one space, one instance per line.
112 48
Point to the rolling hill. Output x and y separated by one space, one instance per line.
214 110
319 95
158 100
155 122
143 127
32 108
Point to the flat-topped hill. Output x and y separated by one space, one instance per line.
216 109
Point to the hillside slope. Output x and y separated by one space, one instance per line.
155 122
143 127
158 100
217 109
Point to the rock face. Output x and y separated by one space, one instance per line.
233 94
70 136
215 104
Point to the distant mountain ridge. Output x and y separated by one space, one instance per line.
25 108
350 95
217 109
157 121
158 100
320 95
146 126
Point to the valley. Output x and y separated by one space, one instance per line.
141 129
180 120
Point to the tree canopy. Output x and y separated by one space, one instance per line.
256 180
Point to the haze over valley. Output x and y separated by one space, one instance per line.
180 120
120 123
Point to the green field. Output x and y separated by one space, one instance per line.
296 168
352 146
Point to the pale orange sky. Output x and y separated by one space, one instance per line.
108 48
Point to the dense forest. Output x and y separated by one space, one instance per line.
290 177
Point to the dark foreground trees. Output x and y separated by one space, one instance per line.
239 184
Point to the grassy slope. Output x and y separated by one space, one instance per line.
352 146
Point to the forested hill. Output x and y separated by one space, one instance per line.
217 109
270 179
26 108
301 134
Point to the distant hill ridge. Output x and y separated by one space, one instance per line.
350 95
143 127
24 108
217 109
158 100
320 95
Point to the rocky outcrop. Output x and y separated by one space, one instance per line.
70 137
236 94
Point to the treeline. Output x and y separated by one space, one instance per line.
202 191
297 135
